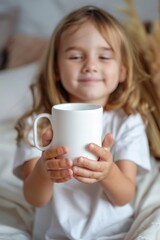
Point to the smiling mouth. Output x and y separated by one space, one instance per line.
89 80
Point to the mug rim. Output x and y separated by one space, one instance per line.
76 106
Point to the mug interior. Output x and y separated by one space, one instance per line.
76 106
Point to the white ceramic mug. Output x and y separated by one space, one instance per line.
74 125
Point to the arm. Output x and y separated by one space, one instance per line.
120 185
40 174
37 187
117 179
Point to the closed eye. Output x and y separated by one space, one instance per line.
105 57
76 57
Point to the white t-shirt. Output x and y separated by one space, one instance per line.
79 211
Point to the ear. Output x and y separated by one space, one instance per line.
123 73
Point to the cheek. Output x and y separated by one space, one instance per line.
113 73
62 74
69 74
65 70
117 74
66 77
113 78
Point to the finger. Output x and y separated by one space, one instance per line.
101 152
89 164
54 164
108 141
86 173
47 137
85 176
55 152
62 180
85 180
61 174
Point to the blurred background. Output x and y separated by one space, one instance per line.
36 19
40 16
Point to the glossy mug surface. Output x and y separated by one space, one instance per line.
74 125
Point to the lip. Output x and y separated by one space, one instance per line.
89 80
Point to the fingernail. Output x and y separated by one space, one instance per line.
107 148
81 159
75 169
91 146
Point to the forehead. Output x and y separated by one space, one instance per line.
80 33
84 30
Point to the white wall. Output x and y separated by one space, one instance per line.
40 16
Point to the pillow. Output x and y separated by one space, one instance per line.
7 23
15 99
15 96
25 49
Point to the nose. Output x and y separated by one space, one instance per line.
89 66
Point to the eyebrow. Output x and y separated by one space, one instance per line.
108 49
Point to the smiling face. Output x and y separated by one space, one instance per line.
88 68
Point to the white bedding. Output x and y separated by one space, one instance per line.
16 216
146 225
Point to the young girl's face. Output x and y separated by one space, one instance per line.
87 66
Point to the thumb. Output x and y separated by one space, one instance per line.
108 141
47 136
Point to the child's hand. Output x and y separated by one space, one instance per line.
52 166
90 171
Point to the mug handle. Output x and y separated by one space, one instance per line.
35 137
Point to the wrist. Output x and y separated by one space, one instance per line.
110 175
41 173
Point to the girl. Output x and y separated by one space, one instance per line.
90 60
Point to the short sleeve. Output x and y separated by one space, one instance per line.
131 143
130 139
25 152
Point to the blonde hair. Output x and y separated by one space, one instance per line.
47 91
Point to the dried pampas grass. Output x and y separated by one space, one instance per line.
148 41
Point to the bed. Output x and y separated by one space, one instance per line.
16 215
